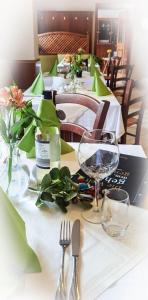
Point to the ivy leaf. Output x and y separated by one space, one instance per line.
39 203
47 196
71 196
64 172
43 198
61 203
46 181
57 187
55 174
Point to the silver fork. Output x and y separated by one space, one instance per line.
64 242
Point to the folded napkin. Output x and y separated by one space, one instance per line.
92 65
47 62
49 119
93 88
37 86
53 70
16 254
85 56
97 73
98 86
60 57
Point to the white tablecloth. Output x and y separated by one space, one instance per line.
82 115
103 260
113 122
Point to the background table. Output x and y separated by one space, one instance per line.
81 115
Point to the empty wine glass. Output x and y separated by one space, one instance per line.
98 156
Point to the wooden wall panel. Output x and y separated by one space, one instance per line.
101 49
78 22
23 72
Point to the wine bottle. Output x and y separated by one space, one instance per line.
47 146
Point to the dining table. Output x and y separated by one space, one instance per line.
108 268
82 115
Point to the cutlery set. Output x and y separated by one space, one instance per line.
64 242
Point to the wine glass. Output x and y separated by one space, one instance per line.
98 156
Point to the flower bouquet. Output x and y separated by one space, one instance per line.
76 63
109 53
76 66
16 114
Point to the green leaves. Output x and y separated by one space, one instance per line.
76 65
3 130
46 181
15 120
64 173
24 118
57 187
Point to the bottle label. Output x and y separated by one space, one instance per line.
42 149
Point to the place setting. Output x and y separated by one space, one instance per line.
88 181
73 151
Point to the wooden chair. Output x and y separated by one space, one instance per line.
119 75
99 108
71 132
114 61
132 111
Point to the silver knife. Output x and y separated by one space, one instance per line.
74 290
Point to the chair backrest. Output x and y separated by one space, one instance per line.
119 82
126 100
71 132
99 108
114 61
132 111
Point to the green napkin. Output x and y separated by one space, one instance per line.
47 62
93 88
85 56
60 57
53 70
97 73
37 86
14 242
100 88
92 65
49 119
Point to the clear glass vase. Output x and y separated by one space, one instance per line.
14 177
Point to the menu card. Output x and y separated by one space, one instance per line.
130 175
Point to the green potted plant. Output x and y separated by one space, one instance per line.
76 66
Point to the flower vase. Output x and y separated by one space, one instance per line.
14 177
72 86
79 74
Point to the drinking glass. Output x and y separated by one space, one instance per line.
114 217
98 156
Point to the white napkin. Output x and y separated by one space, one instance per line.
103 260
